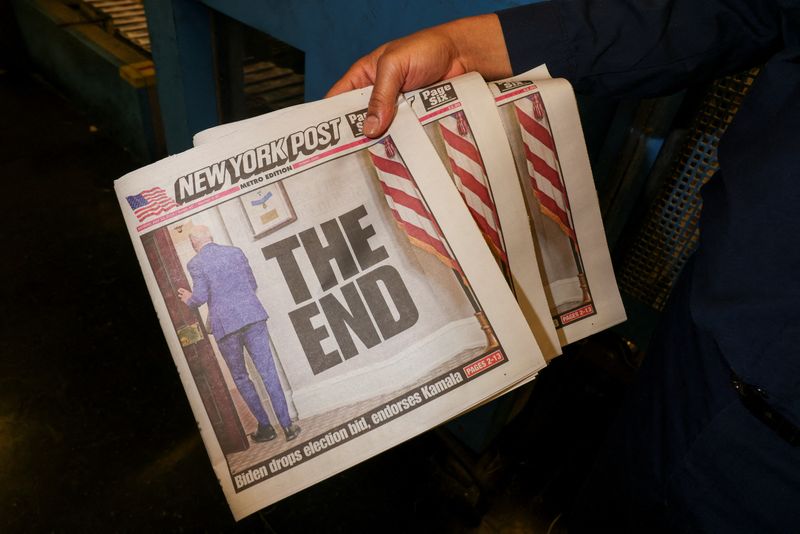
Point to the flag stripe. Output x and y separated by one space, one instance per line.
469 181
535 129
405 199
391 167
542 164
544 170
469 175
156 205
421 235
151 202
406 205
555 212
459 143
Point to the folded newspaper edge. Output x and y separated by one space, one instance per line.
544 131
351 271
461 120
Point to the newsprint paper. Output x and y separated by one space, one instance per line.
461 120
542 126
329 285
542 149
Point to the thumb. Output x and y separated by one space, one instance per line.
389 79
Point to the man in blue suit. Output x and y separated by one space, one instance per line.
223 279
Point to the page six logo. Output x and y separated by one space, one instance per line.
437 96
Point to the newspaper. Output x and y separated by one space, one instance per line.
579 294
461 120
329 285
542 126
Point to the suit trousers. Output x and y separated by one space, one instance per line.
256 338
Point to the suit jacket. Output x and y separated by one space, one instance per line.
746 288
222 277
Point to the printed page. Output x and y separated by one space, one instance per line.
325 296
543 128
461 120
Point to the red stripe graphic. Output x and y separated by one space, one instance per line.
469 181
544 171
391 167
404 199
542 167
420 228
535 129
469 174
420 234
462 145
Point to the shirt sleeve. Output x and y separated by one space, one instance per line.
641 47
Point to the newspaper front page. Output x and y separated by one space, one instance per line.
542 126
325 296
461 120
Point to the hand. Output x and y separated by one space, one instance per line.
438 53
184 295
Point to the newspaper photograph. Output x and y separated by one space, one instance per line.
543 128
461 120
325 296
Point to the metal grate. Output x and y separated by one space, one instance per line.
126 17
670 230
268 87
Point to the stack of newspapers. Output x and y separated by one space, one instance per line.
326 296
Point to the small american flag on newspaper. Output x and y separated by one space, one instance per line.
150 202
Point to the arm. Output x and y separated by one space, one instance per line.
638 47
604 47
199 294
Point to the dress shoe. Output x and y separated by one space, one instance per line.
264 433
291 431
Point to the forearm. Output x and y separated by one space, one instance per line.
479 45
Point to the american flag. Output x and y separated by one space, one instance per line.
469 175
406 204
150 202
544 169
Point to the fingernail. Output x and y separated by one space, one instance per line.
371 125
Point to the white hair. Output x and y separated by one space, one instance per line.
200 233
200 236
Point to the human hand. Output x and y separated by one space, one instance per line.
184 295
464 45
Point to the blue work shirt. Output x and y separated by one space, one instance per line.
746 279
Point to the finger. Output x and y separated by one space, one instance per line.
355 78
360 74
342 86
389 78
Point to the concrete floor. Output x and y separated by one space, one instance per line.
96 433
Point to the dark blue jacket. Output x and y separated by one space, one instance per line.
746 279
